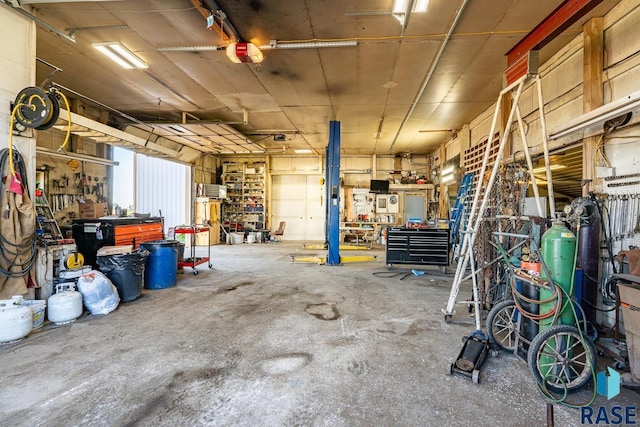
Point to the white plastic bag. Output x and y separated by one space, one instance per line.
99 295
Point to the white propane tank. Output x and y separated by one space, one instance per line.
16 321
65 305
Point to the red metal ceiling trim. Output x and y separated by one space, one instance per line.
524 65
555 23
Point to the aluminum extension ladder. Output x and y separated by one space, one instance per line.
478 206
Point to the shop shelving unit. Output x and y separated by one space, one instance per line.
245 206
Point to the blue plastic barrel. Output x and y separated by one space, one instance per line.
161 268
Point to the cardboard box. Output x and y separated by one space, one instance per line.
90 209
114 250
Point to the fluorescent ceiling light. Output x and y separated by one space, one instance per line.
543 168
400 6
447 178
447 170
118 53
303 151
420 6
274 44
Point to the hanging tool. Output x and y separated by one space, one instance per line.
17 226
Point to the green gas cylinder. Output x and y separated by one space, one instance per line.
558 252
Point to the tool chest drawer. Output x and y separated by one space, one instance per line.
417 246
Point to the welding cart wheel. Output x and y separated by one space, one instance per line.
502 325
561 359
195 272
475 376
211 266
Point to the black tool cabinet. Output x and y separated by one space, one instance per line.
429 246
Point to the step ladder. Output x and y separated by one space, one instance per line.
481 192
47 229
461 208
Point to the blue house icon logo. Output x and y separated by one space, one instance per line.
608 383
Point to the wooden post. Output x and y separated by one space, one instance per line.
443 207
505 110
76 141
592 95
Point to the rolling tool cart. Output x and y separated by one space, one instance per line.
426 246
193 261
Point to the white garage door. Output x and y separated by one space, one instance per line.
163 186
298 200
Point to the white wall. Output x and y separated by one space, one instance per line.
17 56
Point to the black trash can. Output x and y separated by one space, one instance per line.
126 272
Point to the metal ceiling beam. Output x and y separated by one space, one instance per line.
90 128
40 22
429 75
225 30
555 23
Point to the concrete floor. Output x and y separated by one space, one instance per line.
261 341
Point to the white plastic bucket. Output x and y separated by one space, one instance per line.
37 308
251 238
237 238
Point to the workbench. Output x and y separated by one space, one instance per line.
94 233
362 231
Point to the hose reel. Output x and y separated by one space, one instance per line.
72 261
35 108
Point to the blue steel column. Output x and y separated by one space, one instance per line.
327 196
333 200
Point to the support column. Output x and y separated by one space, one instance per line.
593 97
505 109
76 143
592 91
443 206
333 199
